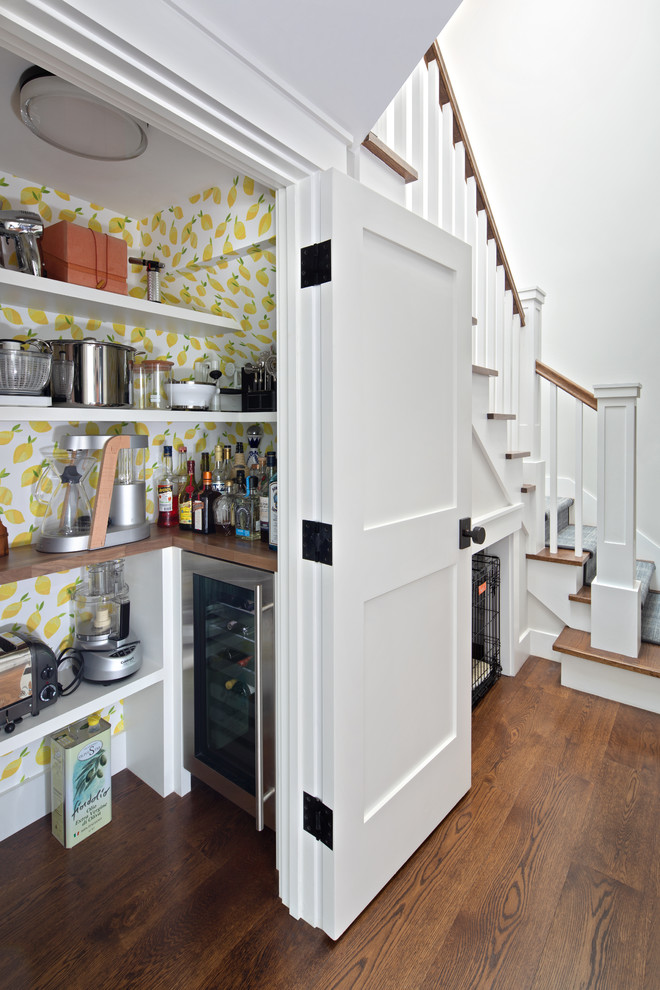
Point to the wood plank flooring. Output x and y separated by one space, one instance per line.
546 876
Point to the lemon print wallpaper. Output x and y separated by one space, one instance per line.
218 248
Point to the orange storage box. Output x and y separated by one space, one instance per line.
72 253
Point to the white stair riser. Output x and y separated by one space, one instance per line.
614 683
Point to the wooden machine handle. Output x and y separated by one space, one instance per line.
104 488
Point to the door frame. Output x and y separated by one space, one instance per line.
119 73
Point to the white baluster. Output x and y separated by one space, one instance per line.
460 192
552 465
482 280
579 486
419 150
447 190
434 129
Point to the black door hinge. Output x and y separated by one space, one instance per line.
317 819
317 541
315 266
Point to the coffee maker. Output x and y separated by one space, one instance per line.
119 514
102 622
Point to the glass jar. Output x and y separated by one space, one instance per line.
140 381
160 380
151 384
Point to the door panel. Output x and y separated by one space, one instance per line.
394 672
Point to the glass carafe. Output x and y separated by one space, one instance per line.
61 488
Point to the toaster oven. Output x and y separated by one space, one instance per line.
28 678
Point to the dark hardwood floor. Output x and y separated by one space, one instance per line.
546 876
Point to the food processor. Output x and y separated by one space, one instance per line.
102 621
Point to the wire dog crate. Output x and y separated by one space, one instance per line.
486 666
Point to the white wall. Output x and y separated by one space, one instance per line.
562 106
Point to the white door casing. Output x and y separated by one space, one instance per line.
388 724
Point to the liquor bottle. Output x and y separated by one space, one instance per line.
203 518
227 467
182 469
205 465
247 512
272 513
216 474
167 489
239 460
222 511
254 435
239 482
263 495
186 499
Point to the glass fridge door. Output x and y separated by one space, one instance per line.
225 634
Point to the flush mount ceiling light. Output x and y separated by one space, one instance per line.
78 122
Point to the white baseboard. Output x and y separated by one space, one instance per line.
28 802
540 644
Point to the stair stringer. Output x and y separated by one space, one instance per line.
552 584
490 439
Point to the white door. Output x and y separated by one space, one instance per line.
390 694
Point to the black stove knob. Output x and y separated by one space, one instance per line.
47 673
48 693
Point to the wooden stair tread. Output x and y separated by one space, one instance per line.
583 595
561 557
500 415
527 487
577 643
478 369
512 455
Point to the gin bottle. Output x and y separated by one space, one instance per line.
246 509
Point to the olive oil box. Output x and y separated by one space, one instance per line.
80 784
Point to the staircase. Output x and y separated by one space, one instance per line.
562 581
566 591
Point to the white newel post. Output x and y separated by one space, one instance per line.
529 415
615 593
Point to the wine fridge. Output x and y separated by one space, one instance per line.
229 682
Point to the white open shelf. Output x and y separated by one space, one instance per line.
81 303
86 699
126 414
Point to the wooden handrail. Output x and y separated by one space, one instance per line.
390 158
579 393
447 95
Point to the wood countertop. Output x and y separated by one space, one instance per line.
28 562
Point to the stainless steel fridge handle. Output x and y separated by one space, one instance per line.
260 797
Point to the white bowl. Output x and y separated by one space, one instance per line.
190 395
